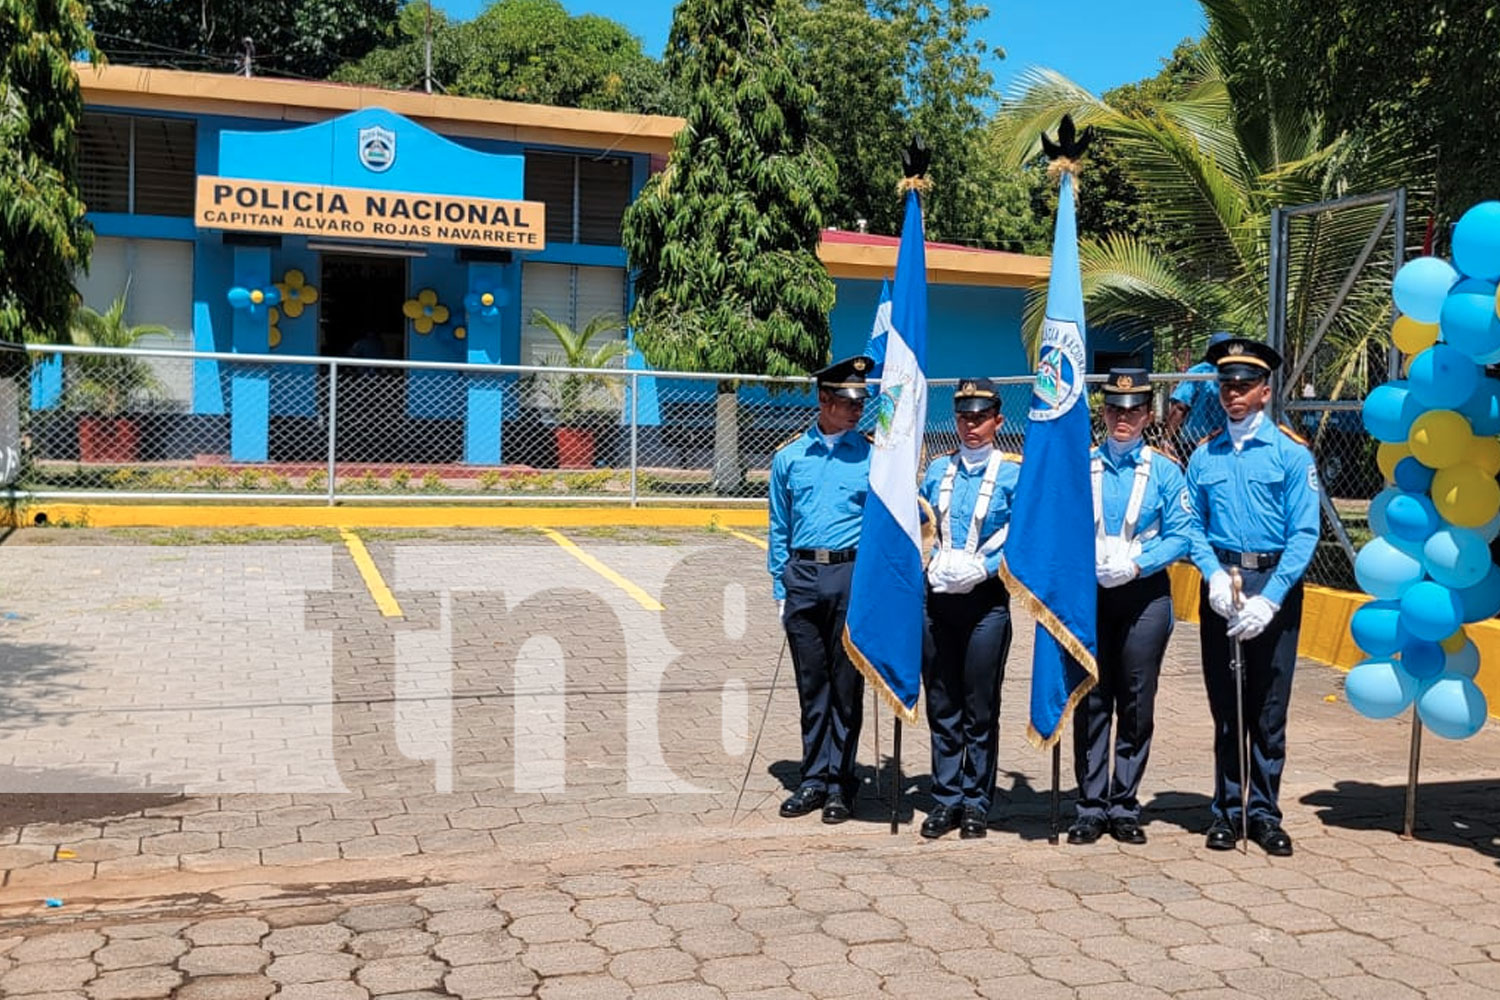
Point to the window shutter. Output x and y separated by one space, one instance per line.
549 179
165 166
548 287
104 162
603 195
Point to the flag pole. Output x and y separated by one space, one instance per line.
1056 808
896 780
755 749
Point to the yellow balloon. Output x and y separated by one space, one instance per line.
1454 642
1388 456
1440 438
1465 495
1413 337
1485 453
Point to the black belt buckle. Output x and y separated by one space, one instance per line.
1250 560
821 556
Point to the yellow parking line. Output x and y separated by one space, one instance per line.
749 538
384 599
642 598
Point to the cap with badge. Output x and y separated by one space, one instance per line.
846 378
1216 338
975 395
1239 359
1128 387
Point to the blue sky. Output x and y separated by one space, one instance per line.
1103 43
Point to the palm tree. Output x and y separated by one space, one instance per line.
108 384
1237 141
574 396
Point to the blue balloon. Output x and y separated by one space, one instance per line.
1385 571
1452 707
1483 408
1412 517
1378 506
1379 689
1465 662
1376 628
1422 659
1420 285
1389 410
1468 320
1483 600
1442 377
1412 476
1476 241
1489 529
1456 557
1431 611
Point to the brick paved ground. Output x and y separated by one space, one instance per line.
524 787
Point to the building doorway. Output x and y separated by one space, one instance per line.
359 316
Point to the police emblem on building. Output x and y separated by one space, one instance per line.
377 148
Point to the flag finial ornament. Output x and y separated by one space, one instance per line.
915 159
1067 150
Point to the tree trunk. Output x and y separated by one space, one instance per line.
728 475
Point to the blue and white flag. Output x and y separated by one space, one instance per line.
1050 561
875 348
883 630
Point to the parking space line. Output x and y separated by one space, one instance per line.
640 597
761 542
384 599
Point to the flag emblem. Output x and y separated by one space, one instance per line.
377 148
1059 371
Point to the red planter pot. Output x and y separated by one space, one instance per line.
575 448
107 439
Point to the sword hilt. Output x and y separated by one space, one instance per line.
1237 587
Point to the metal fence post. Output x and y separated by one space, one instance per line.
333 423
635 427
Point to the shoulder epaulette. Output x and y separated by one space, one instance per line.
1163 453
1210 436
868 436
787 441
1293 435
1011 456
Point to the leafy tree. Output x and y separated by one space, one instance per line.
1212 162
724 240
522 50
109 384
43 239
293 37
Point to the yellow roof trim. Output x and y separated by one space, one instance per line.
301 101
990 269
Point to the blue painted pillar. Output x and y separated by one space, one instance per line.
250 385
485 404
46 381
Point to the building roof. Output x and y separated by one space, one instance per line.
300 101
873 257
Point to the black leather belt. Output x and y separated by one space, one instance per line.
826 557
1247 560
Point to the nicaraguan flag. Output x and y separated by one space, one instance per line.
875 349
883 630
1049 562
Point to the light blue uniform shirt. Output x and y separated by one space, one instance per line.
1205 413
1263 498
817 497
966 494
1164 506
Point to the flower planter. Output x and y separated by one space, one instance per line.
107 439
575 448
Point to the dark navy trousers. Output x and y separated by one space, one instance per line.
964 648
1135 622
1270 659
829 688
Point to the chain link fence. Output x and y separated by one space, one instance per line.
137 424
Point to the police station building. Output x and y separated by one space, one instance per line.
410 226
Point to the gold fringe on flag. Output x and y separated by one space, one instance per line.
921 185
1074 648
1063 165
872 675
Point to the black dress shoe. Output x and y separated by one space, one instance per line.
803 801
940 821
1085 830
1126 830
1272 838
1222 836
976 824
835 810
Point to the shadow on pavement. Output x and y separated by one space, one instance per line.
1461 813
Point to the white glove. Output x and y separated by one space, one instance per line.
956 572
781 608
1221 594
1252 619
1116 572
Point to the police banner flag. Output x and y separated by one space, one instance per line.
875 347
1049 564
883 629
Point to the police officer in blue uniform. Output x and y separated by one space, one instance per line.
818 486
1254 494
1195 411
1141 526
968 629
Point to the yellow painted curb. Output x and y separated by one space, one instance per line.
227 516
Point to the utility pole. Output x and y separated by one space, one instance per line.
427 51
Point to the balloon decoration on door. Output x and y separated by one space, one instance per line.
253 300
425 311
273 338
296 293
1429 566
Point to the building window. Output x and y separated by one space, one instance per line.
159 277
586 196
135 165
571 295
